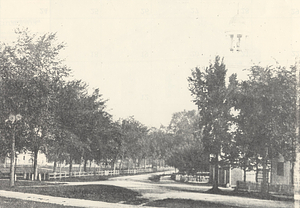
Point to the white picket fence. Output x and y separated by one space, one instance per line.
60 175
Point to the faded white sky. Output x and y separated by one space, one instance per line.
140 53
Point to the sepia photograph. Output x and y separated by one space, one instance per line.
150 103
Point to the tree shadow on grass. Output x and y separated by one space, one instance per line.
186 203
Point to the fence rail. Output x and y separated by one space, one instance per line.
98 173
198 178
272 188
60 175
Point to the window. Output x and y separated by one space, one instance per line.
280 168
238 44
23 157
231 42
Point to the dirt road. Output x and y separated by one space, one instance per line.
167 188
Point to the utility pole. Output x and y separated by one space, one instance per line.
12 159
13 118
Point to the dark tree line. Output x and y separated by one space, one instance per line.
44 110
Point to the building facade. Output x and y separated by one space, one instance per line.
25 159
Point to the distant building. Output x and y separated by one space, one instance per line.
244 51
237 34
281 171
25 159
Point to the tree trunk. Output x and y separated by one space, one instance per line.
245 168
80 166
216 177
35 165
256 174
70 166
264 185
121 163
112 164
245 175
54 165
139 163
292 172
84 166
133 163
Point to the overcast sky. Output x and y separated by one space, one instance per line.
139 53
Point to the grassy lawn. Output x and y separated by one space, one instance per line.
13 203
4 183
112 194
186 203
104 193
83 179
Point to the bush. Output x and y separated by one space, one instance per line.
154 178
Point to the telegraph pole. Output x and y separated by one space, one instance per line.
13 118
12 159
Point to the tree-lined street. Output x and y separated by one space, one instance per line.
148 59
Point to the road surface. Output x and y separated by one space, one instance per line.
165 189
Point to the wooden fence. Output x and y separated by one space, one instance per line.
198 178
272 188
60 175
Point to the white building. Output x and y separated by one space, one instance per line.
26 159
265 36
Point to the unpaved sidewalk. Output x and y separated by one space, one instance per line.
63 201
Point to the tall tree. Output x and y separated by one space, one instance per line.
161 145
187 149
210 94
30 67
68 111
134 134
266 119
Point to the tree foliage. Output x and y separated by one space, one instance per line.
266 120
211 95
